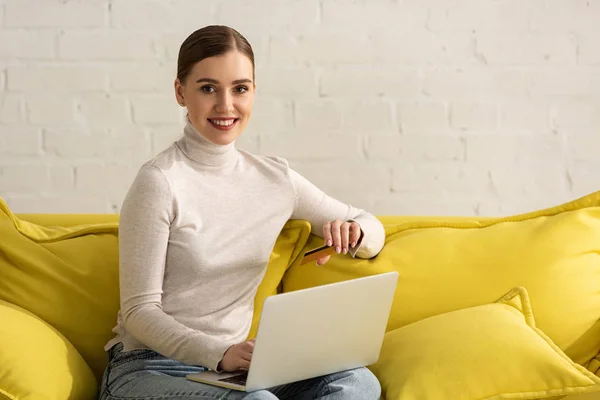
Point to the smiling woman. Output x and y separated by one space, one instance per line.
196 232
215 81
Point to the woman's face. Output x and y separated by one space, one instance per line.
218 94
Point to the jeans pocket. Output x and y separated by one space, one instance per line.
121 357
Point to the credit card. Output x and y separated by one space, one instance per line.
315 254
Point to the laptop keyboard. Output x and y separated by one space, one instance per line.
237 379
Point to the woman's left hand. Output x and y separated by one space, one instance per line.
340 234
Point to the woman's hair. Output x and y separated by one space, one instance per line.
210 41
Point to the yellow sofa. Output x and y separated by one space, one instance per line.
485 308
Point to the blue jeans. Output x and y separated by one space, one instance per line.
147 375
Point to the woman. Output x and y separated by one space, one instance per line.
196 231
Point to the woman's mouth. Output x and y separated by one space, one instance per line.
223 124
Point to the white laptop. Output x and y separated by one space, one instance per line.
314 332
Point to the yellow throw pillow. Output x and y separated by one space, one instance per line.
447 264
490 351
286 252
67 274
37 362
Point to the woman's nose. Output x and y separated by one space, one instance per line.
224 103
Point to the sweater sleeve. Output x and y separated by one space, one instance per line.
315 206
144 227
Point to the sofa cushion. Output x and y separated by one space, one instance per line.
447 264
485 352
38 362
68 275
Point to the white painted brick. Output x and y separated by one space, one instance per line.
283 16
529 180
389 75
413 148
568 81
69 203
270 116
124 143
100 110
479 15
161 16
350 16
363 81
56 79
426 204
155 109
24 178
55 13
584 177
62 178
142 77
509 205
423 117
167 45
423 47
288 82
516 48
100 179
565 16
163 136
514 151
525 116
260 48
588 50
29 44
313 147
20 141
318 115
369 117
576 115
50 109
440 176
339 177
12 108
476 84
584 146
323 48
474 116
105 45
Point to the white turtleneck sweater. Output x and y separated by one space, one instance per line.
197 228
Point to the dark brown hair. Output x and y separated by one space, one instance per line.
210 41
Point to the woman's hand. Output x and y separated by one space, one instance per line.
237 357
340 234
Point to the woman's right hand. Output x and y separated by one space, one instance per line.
237 357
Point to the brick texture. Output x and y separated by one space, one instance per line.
457 107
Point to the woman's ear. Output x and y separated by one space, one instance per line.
179 92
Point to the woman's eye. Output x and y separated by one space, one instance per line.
241 89
207 89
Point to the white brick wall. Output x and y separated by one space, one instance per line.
401 107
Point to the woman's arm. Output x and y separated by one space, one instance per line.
144 226
315 206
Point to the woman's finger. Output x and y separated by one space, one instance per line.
345 233
327 234
337 236
245 355
323 260
355 232
244 365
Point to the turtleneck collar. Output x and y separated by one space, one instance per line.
205 152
